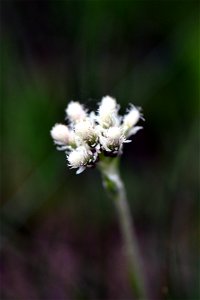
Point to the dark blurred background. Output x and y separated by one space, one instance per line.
60 235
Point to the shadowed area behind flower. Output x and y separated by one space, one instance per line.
58 262
60 235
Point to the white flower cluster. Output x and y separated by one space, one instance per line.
89 135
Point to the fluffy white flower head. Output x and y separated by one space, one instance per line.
80 158
89 137
113 138
85 130
107 113
61 134
108 103
114 134
75 112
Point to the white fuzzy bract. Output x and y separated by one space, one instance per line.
131 118
89 136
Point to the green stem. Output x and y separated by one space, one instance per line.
115 187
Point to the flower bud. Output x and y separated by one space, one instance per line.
61 134
75 112
108 112
108 103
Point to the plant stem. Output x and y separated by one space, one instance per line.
115 187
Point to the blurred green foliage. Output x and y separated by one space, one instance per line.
144 52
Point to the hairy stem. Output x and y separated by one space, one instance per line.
115 188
